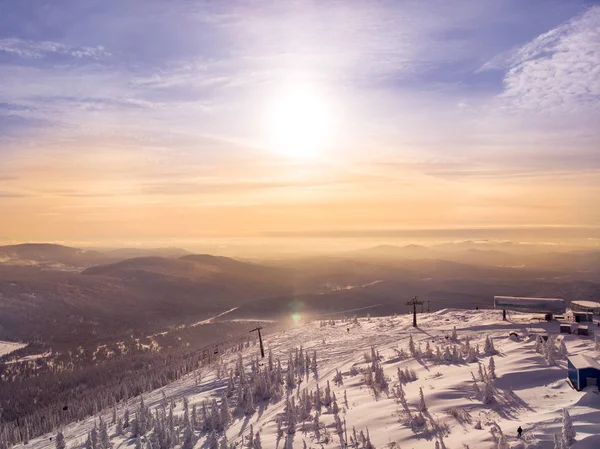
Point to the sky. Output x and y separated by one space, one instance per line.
180 120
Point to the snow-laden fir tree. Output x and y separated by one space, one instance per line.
447 356
481 376
314 364
257 442
211 441
550 352
472 355
538 344
119 427
290 415
488 391
104 438
88 442
454 334
224 412
189 438
250 438
568 431
475 386
422 405
411 345
338 379
492 368
428 352
318 403
60 440
562 349
334 405
489 348
368 444
327 398
317 427
94 438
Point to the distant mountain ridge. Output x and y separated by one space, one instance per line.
54 256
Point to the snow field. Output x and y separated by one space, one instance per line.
527 391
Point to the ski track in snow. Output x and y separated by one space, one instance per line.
6 347
528 392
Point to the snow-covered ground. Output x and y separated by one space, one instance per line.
527 391
6 347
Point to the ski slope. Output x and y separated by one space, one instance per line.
6 347
527 391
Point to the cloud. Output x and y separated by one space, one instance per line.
29 49
558 71
458 232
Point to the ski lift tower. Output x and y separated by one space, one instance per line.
262 349
414 301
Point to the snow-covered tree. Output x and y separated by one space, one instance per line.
338 379
568 431
104 438
224 412
327 398
212 441
538 344
257 442
318 403
488 392
492 368
334 405
411 345
489 348
476 389
317 426
368 444
454 334
119 427
428 352
189 438
422 405
481 375
562 349
60 440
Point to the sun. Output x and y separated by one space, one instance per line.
299 122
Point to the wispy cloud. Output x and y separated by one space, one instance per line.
557 71
30 49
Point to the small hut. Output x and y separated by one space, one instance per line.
583 371
583 330
565 328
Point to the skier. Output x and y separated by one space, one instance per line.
348 329
519 431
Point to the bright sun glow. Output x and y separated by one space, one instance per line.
300 122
